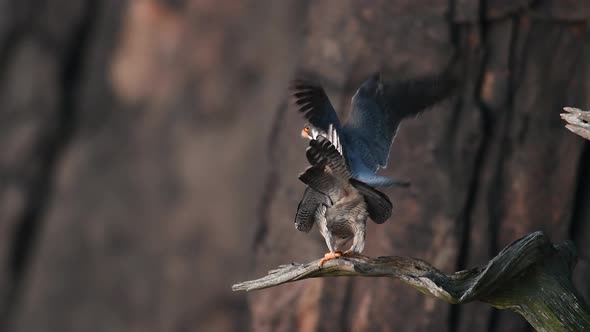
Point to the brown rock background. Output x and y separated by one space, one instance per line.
148 157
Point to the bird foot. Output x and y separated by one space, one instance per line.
347 252
330 256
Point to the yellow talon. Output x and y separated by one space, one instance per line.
330 256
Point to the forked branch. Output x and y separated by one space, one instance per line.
531 276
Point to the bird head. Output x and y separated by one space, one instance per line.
310 132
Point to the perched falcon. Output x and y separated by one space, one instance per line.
335 201
377 108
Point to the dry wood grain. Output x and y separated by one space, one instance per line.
578 121
530 276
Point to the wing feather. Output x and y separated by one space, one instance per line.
328 173
378 204
321 151
315 105
378 108
307 209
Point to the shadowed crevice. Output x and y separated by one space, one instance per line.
581 197
347 308
464 221
272 178
495 194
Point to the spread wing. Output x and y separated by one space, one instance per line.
328 173
311 203
322 151
315 105
378 204
378 108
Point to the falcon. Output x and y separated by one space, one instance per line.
336 202
377 109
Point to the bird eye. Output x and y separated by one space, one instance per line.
306 128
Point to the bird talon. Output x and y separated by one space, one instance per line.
330 256
347 252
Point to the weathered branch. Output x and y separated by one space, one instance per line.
578 121
531 276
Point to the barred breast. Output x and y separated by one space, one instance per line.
347 218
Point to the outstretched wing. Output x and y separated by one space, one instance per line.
328 173
311 202
315 105
322 151
378 204
378 108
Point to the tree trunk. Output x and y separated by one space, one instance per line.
141 140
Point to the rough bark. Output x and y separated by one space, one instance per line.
531 276
141 140
107 231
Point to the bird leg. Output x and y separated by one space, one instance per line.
358 242
323 225
357 247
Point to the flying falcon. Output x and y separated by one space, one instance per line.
377 108
338 203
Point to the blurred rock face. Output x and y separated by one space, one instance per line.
153 196
148 157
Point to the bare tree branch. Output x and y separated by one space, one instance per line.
578 121
531 276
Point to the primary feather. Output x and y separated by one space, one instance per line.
377 109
